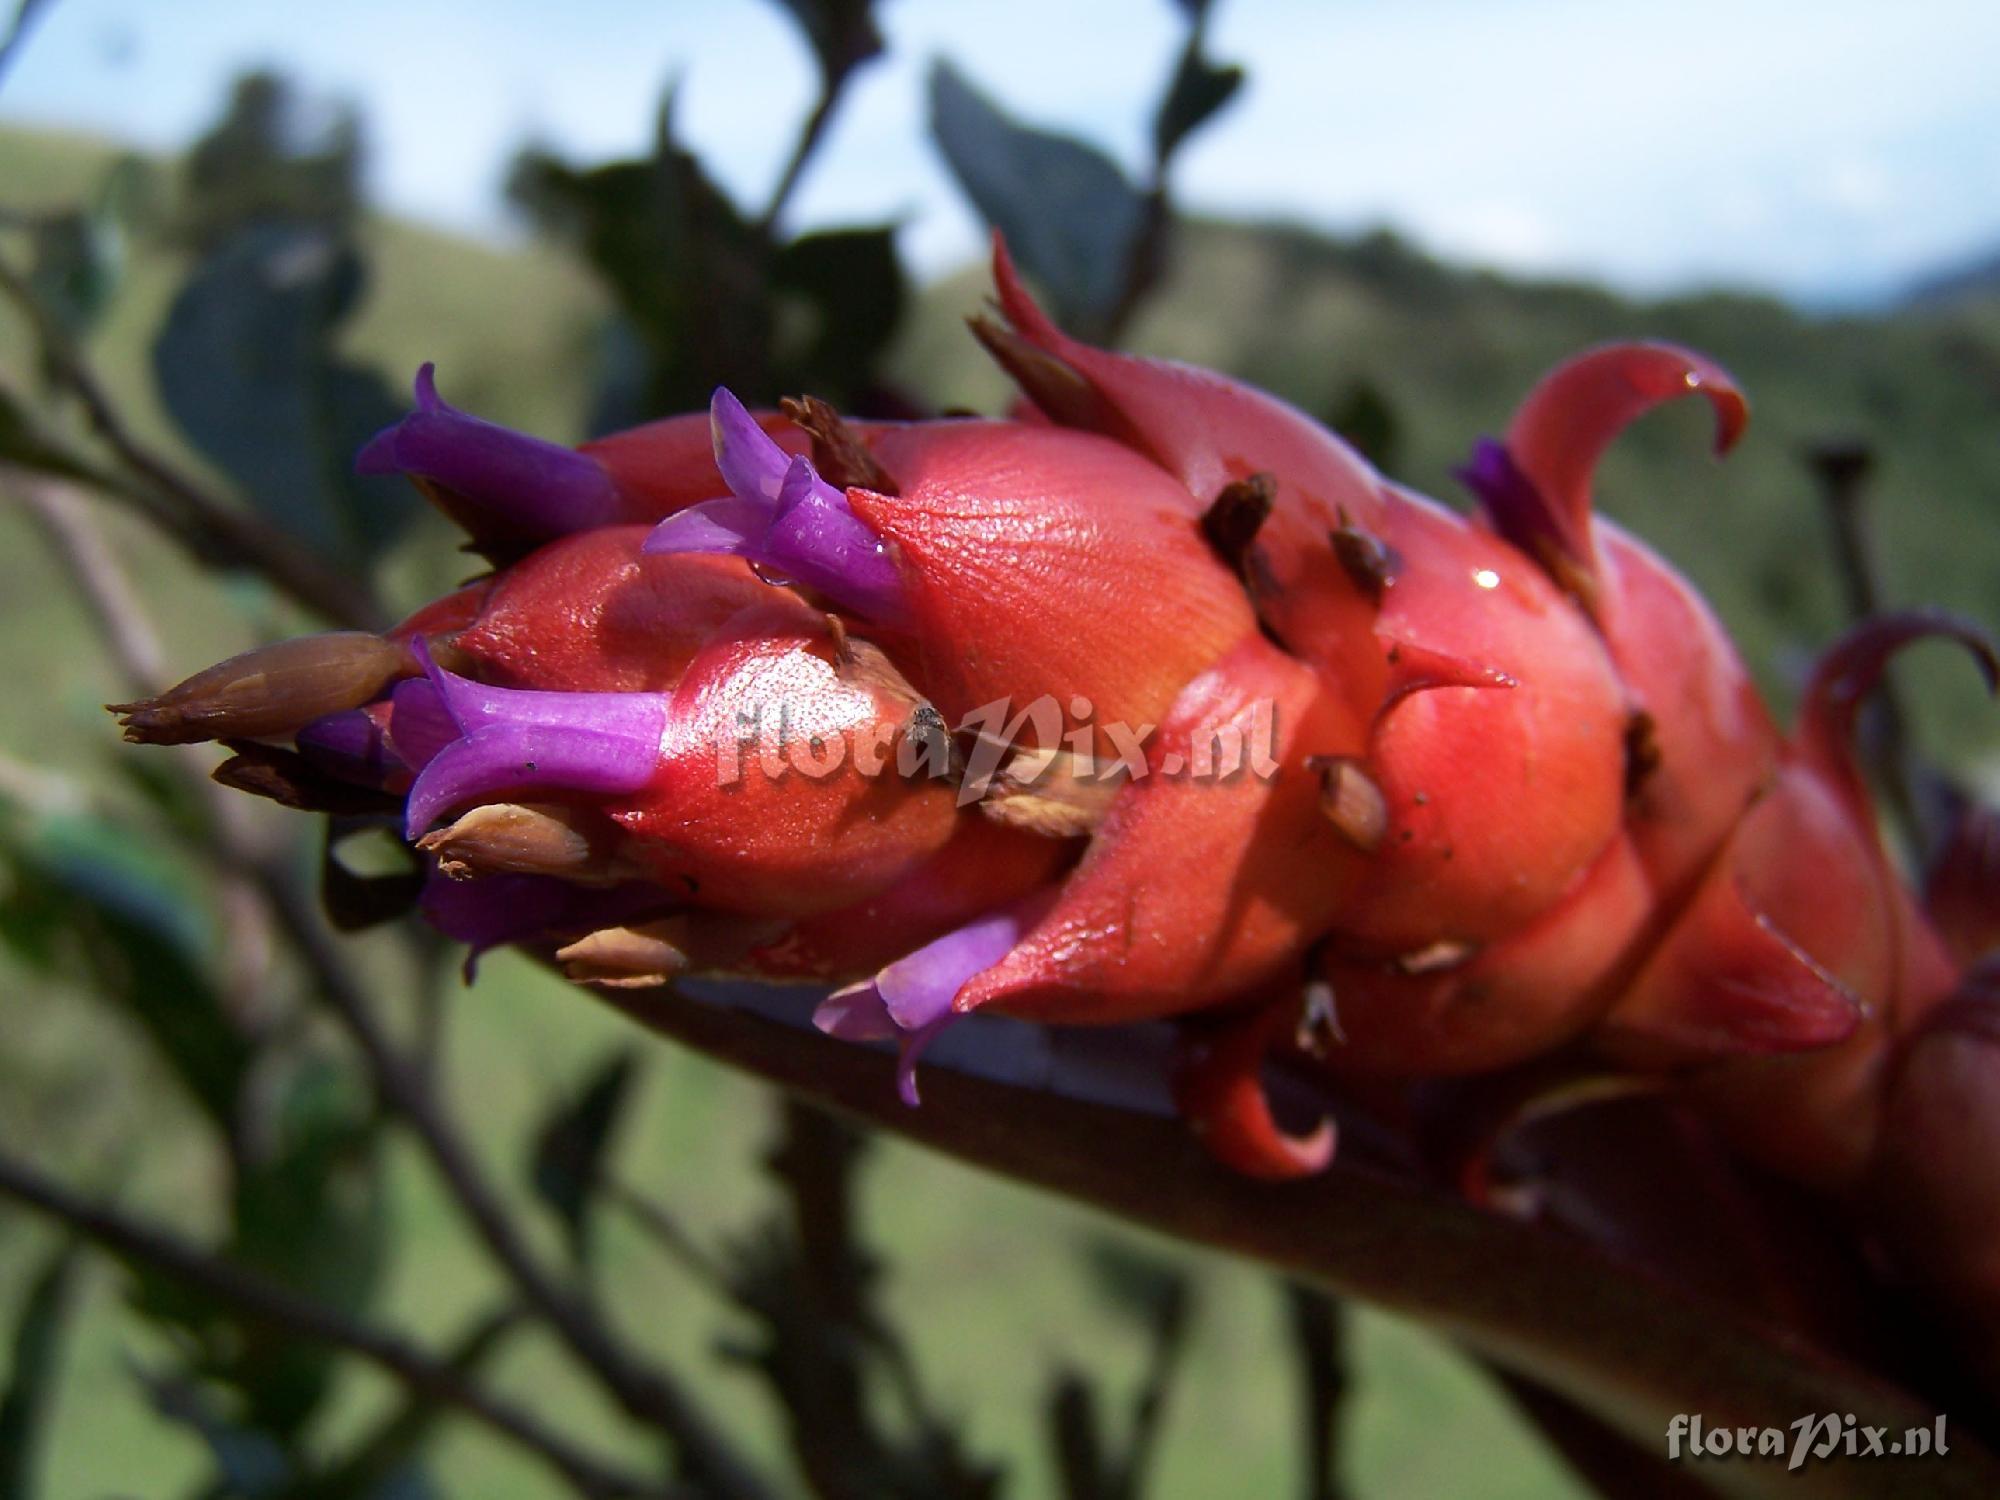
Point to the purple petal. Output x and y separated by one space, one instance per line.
520 487
495 910
727 526
349 746
419 723
911 999
784 517
752 463
1515 506
818 539
513 739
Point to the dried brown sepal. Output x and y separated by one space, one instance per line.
288 779
647 955
514 838
838 452
269 691
1351 801
1366 559
1642 751
1052 792
1237 514
1059 392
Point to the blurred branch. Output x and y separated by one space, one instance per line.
1319 1335
666 1232
843 37
106 591
211 529
646 1394
1843 470
266 1302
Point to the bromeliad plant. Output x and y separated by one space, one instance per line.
1153 702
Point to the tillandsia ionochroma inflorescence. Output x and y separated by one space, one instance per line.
1154 701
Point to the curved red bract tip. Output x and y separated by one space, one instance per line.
1850 669
1573 413
1219 1090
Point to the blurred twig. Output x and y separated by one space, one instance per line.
211 529
1319 1336
1843 470
267 1302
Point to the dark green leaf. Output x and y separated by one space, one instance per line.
385 1464
840 294
842 32
310 1213
571 1145
250 1465
75 262
246 366
1200 89
90 898
687 270
1071 218
31 1378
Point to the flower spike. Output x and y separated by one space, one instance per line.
782 516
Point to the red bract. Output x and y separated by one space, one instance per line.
1160 703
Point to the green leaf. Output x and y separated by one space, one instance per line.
571 1145
689 273
250 1465
1199 90
31 1378
386 1463
89 898
247 368
1071 218
842 33
310 1213
842 293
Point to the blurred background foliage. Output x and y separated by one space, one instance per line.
180 1035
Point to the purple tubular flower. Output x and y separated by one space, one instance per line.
349 746
517 487
784 517
911 1000
509 739
496 910
419 723
1516 507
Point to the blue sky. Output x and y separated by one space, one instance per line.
1822 148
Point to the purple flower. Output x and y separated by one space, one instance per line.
911 999
349 746
782 516
508 739
516 488
496 910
